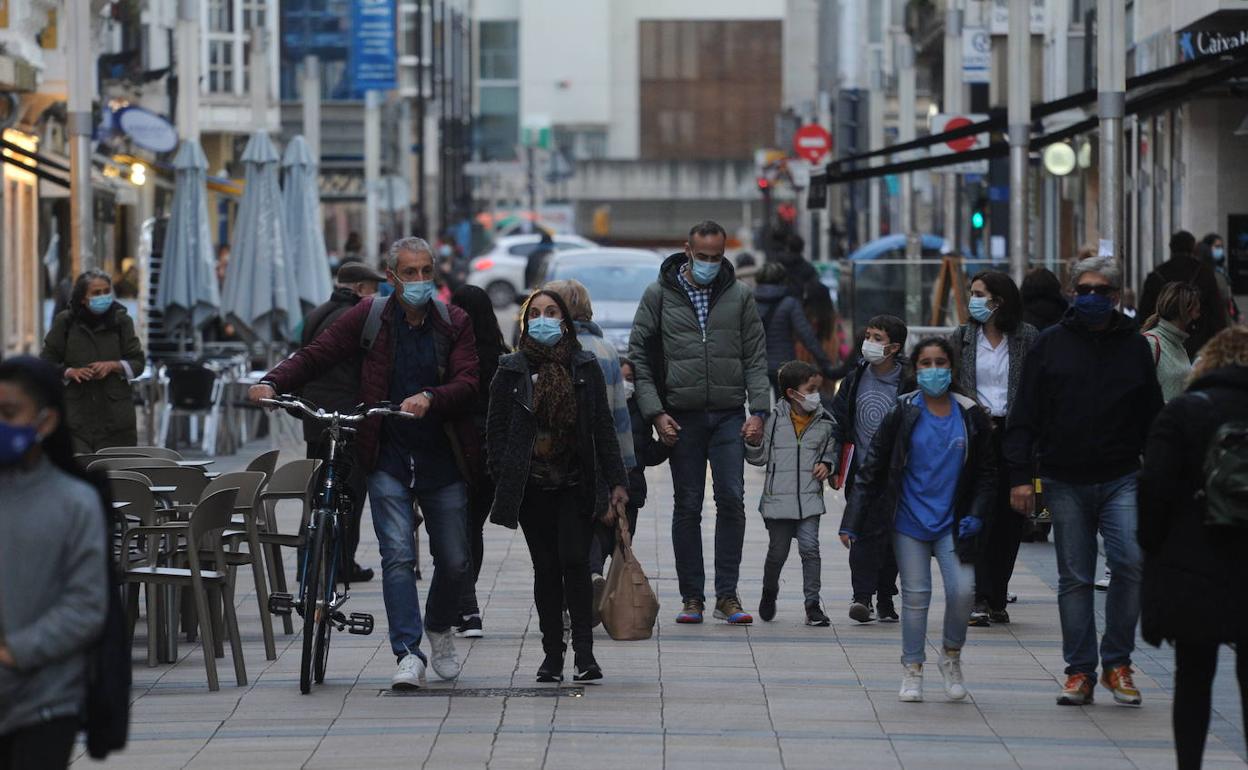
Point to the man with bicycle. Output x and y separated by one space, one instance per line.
420 353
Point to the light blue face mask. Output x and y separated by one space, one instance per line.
100 304
935 382
418 293
704 273
547 331
979 309
1219 253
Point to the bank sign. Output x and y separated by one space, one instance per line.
1219 34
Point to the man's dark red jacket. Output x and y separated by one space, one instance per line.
453 398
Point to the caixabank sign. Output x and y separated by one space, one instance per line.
1218 34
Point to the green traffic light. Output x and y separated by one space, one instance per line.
977 220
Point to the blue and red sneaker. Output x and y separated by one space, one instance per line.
691 612
729 608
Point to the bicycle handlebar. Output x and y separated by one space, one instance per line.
363 412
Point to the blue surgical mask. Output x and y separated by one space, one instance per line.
547 331
99 305
1093 309
935 382
704 273
1219 253
418 293
15 442
979 309
385 289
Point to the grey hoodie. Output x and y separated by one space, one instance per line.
53 591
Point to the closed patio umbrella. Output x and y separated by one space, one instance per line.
187 292
261 289
305 238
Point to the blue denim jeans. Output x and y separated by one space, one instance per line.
914 562
1079 511
713 437
446 522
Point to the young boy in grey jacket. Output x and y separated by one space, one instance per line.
798 451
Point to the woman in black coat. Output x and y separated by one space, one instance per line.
1194 575
556 464
490 347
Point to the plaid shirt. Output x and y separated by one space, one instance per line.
699 296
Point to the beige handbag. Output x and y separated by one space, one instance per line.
629 607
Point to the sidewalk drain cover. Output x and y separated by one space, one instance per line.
488 692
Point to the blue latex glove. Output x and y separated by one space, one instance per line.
969 527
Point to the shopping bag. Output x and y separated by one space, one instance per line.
629 607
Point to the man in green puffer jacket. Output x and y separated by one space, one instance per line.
699 355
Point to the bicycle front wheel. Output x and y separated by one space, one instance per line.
314 612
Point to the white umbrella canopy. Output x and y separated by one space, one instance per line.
261 293
305 238
187 292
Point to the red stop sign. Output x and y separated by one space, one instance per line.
966 142
811 142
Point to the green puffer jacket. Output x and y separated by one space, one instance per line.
701 372
100 413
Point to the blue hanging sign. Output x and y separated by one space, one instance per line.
373 60
147 129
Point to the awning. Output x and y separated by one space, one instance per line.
1145 93
33 162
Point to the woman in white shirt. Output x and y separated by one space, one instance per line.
991 347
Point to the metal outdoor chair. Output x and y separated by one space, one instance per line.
296 480
159 452
265 463
129 463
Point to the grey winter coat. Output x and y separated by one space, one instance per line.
784 323
790 491
966 342
53 595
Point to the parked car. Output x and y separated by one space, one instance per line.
616 279
500 271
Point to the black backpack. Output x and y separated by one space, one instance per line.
1226 477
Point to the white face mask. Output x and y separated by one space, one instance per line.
809 402
629 389
873 351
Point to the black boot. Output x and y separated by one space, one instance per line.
767 604
587 669
551 669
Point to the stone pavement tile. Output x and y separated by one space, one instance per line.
575 751
818 753
816 727
1032 757
735 749
519 750
940 751
460 750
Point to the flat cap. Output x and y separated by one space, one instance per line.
355 272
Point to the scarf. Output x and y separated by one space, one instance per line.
554 400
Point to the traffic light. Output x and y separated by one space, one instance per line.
979 213
977 220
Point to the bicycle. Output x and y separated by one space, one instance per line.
319 603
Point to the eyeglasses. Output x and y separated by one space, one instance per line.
1103 289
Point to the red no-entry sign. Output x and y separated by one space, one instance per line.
811 142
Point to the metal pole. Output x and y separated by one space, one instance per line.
952 106
1019 54
312 106
421 213
372 172
1111 87
81 94
188 70
443 86
875 113
906 88
259 76
404 161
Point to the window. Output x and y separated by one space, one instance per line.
500 50
319 27
229 25
499 122
220 15
220 66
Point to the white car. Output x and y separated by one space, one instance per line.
616 279
500 271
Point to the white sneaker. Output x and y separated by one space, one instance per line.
444 661
911 683
951 672
1103 583
411 671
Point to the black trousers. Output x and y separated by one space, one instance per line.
1195 666
603 544
558 531
873 567
357 483
480 498
995 565
45 746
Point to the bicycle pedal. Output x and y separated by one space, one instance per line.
281 603
360 623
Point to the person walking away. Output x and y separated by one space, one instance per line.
94 343
337 390
798 450
929 477
1044 304
1183 267
648 452
53 568
423 357
700 352
1178 309
784 322
556 462
1194 535
1086 398
865 397
1212 252
991 347
535 265
490 347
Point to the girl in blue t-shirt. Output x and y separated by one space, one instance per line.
929 478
